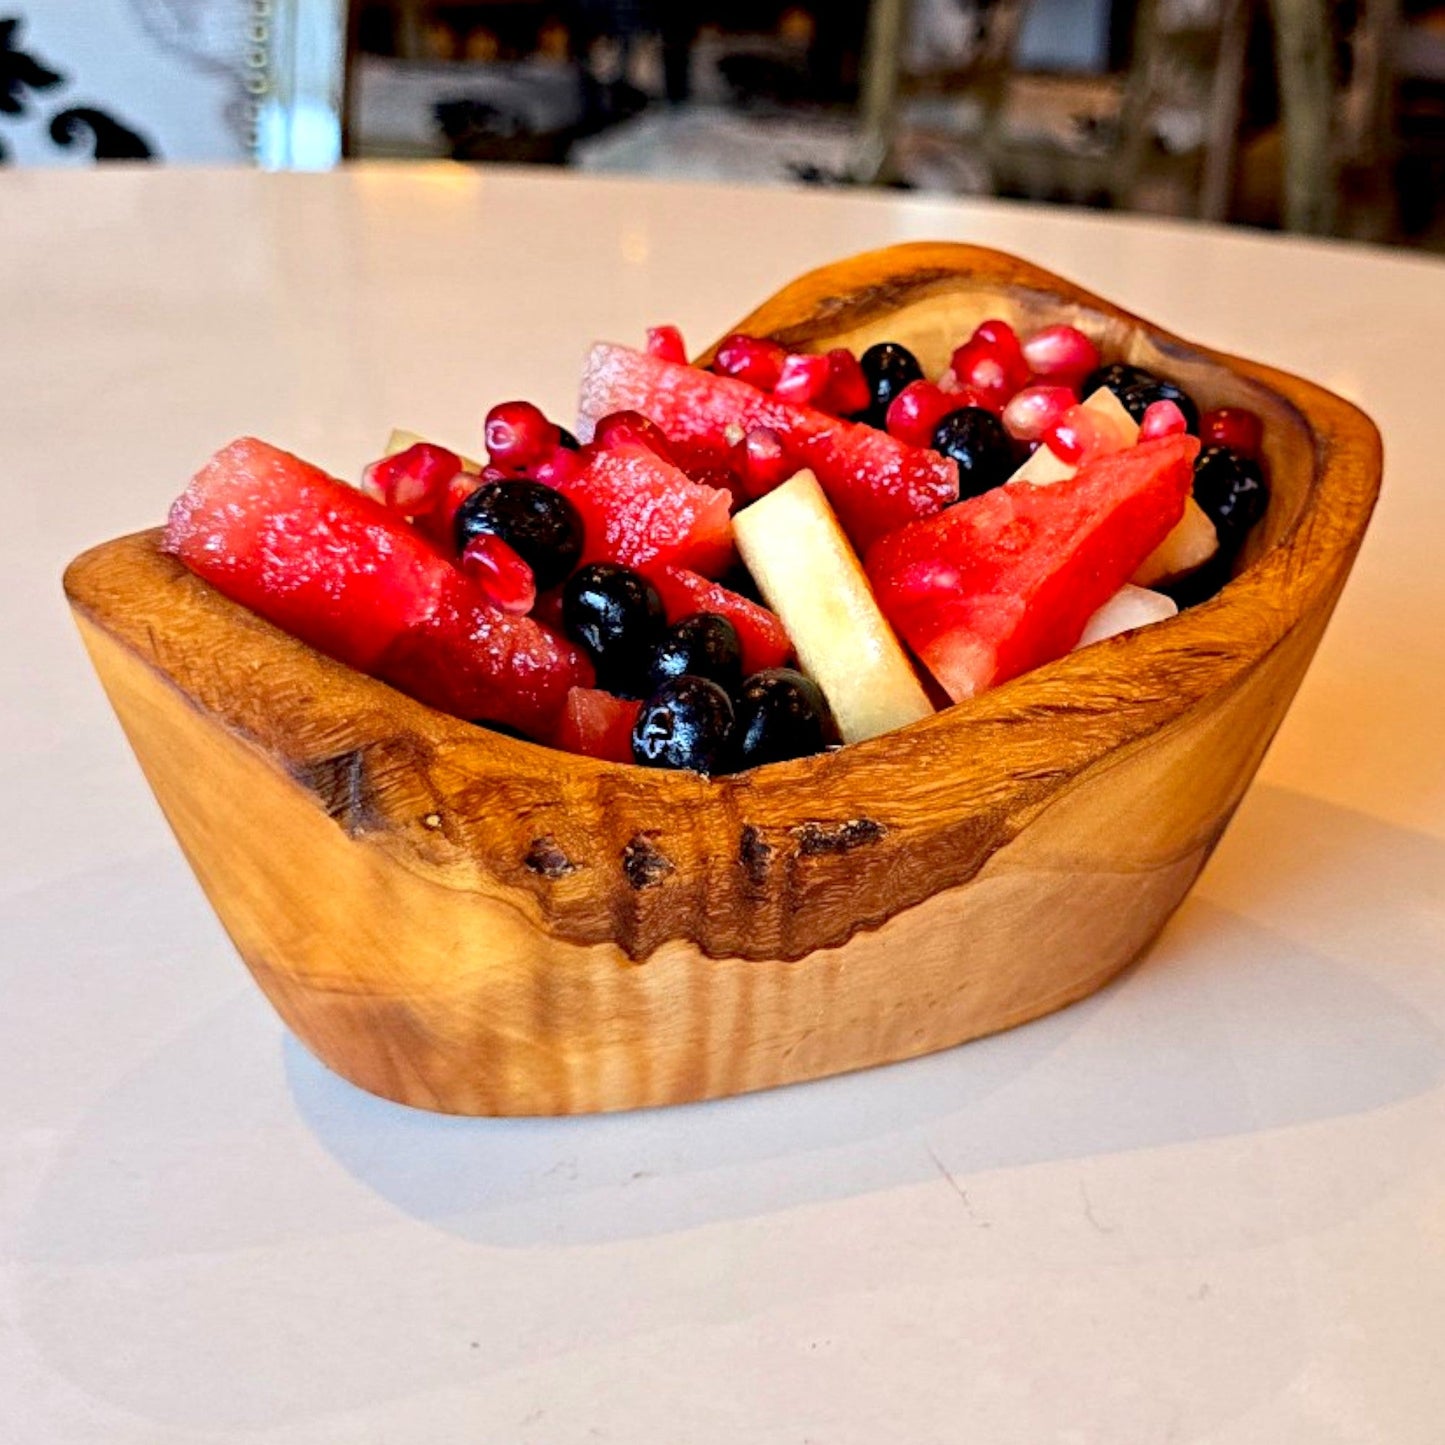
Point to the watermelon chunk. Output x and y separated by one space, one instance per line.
874 483
642 511
597 725
764 640
475 662
342 573
1006 581
314 556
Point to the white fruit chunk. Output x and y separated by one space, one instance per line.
1128 608
400 440
807 571
1187 548
1046 466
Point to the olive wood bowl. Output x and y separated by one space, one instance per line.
465 922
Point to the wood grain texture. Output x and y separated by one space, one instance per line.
461 921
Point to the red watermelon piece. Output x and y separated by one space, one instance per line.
764 640
475 662
597 725
352 579
1006 581
310 554
875 483
642 511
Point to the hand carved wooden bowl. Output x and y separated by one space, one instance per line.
464 922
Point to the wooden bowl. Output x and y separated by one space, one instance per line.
464 922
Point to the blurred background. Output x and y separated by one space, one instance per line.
1320 116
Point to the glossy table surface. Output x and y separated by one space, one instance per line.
1206 1205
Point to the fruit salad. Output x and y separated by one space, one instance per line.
760 559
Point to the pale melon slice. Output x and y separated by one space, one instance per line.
808 573
1128 608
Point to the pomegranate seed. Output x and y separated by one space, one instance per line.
519 436
914 414
1061 353
440 523
803 379
751 359
632 429
1234 427
1162 419
1032 411
1001 339
500 573
1082 434
847 392
665 343
560 468
761 462
411 481
979 368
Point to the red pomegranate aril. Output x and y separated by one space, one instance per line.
500 573
631 428
1162 419
1061 353
803 380
519 436
1032 411
914 414
440 523
847 392
761 462
412 481
559 468
1001 339
751 359
665 343
1235 427
979 368
1082 434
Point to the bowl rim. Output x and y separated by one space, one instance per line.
1038 729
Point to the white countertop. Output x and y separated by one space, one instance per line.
1207 1205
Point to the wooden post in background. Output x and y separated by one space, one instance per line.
1305 65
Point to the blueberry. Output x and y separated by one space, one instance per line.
686 723
616 616
1117 376
568 440
704 644
888 368
1141 395
538 523
978 441
1232 491
780 715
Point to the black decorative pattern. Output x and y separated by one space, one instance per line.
22 73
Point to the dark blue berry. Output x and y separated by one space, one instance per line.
687 723
888 368
704 644
979 442
780 715
1117 376
538 523
568 440
1232 491
1139 397
615 615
